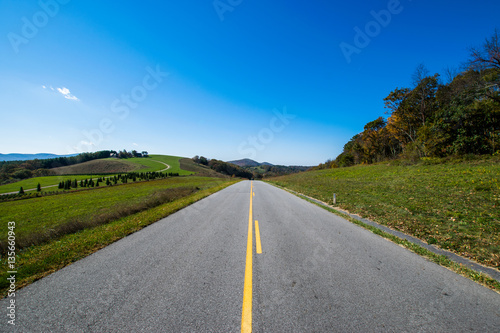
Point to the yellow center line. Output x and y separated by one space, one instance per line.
257 237
246 313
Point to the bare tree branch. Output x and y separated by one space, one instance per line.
488 56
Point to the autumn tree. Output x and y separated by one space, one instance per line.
402 123
373 141
432 118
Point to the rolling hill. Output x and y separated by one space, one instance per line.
101 166
155 163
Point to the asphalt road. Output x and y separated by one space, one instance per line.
317 273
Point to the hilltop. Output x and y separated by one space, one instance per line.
266 169
246 162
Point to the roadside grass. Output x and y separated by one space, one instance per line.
141 165
453 205
36 261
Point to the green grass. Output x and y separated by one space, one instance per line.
152 165
174 163
39 215
452 205
145 165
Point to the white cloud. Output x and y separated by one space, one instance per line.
135 144
66 93
87 143
63 91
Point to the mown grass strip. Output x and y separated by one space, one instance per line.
36 262
442 260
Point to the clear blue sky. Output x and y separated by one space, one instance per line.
261 79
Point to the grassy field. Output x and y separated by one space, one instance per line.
38 215
121 210
139 164
44 181
174 163
453 205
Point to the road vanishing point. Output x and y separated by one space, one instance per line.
253 257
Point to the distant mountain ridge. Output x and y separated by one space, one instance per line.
246 162
27 157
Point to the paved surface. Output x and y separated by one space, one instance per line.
317 273
492 272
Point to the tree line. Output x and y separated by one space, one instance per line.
248 172
128 154
279 170
16 170
436 118
114 180
223 167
